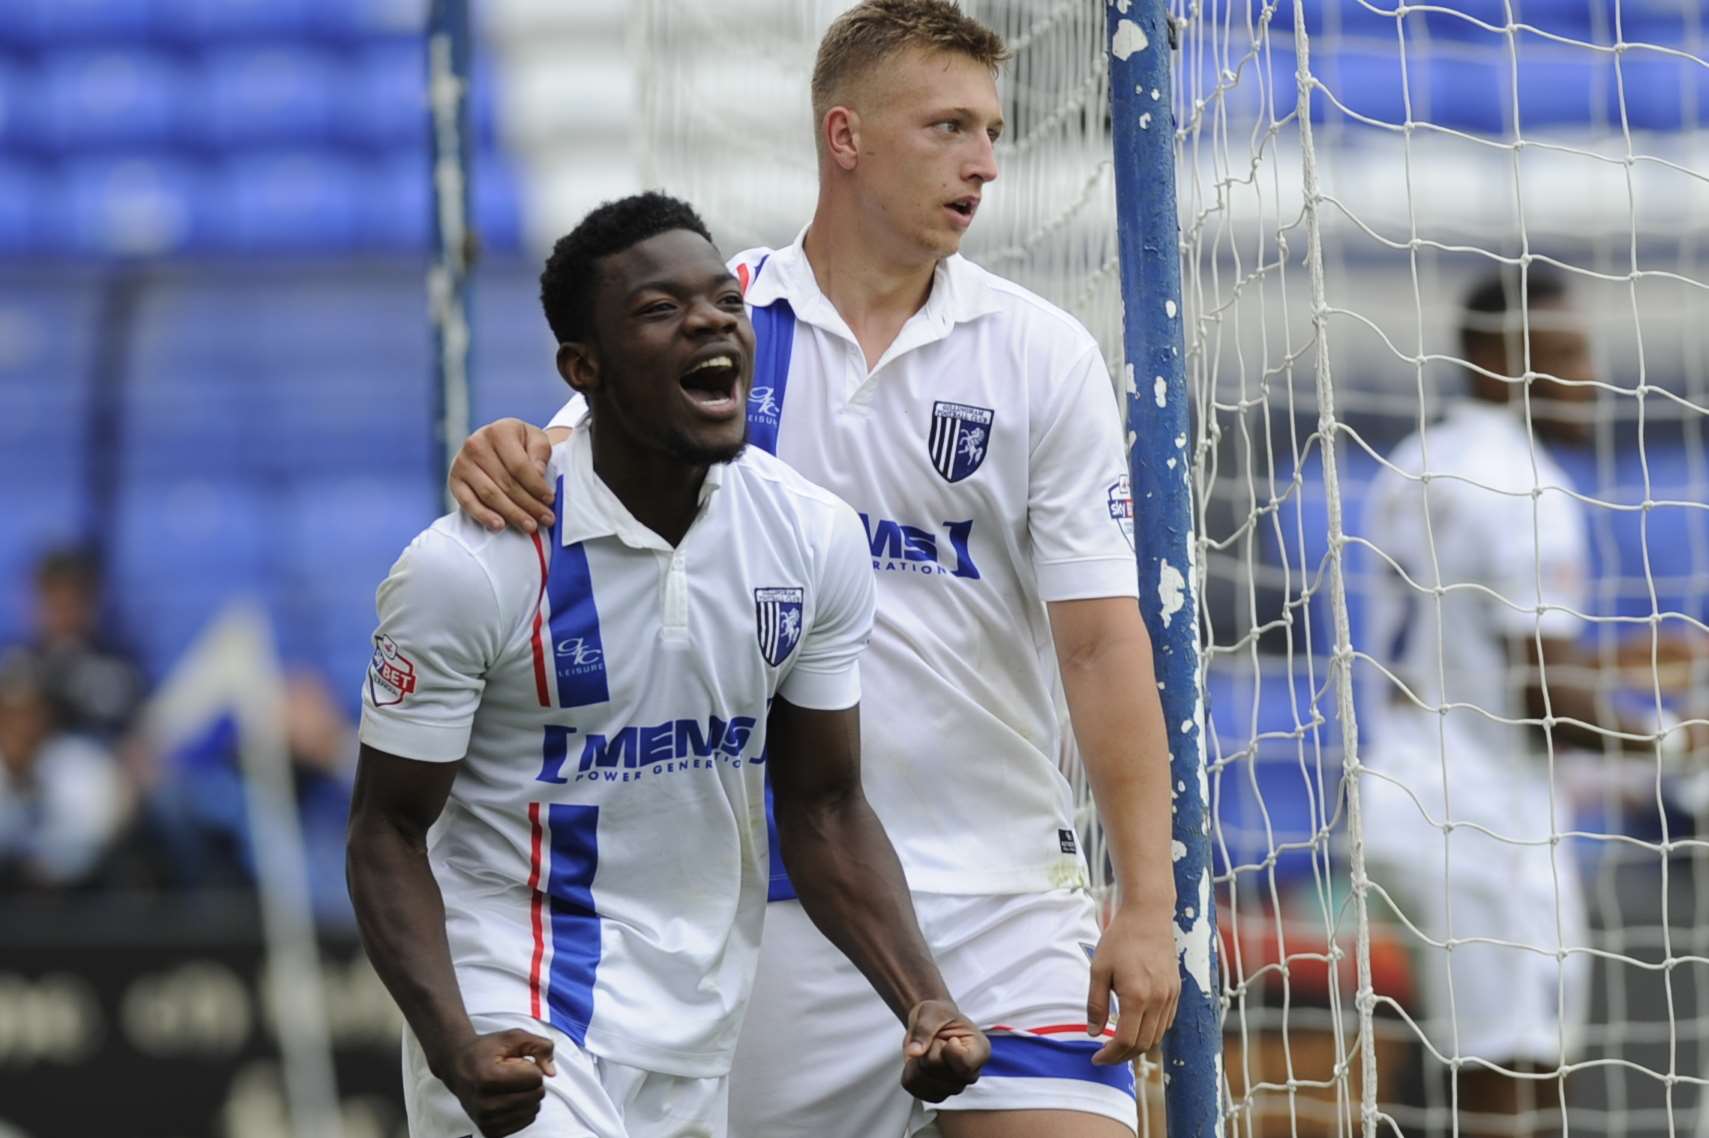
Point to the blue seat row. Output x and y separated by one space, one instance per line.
50 22
265 201
76 100
1472 91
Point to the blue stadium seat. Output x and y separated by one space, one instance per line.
122 98
1556 88
19 114
366 20
268 21
26 224
387 103
182 549
47 338
55 23
512 360
287 201
397 209
1273 792
497 203
271 95
1661 93
141 205
348 420
341 537
1366 82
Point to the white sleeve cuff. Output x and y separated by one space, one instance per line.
822 691
1554 623
1087 579
413 739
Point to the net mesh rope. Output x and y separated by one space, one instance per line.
1344 173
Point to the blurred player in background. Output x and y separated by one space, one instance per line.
591 709
1496 654
975 428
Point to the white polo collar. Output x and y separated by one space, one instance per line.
589 509
959 291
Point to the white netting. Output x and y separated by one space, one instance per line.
1437 145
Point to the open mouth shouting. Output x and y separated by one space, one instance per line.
713 381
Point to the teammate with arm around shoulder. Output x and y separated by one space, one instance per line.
558 846
975 428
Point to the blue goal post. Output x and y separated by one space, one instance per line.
448 57
1142 129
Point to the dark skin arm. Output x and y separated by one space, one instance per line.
1575 679
851 885
499 1078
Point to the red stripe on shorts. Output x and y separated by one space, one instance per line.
540 649
537 905
1051 1029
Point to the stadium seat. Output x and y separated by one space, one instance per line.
23 194
1661 93
271 95
47 338
286 201
18 113
365 20
182 549
351 420
387 103
142 205
123 98
1281 781
398 206
269 21
1366 82
55 23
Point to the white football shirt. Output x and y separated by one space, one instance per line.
984 454
603 855
1508 543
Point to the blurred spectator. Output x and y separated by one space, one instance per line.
199 815
63 798
94 685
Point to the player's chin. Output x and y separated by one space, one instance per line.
706 445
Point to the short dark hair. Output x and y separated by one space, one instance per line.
1496 294
567 283
868 34
73 565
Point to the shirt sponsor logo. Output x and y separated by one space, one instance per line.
1121 507
635 752
959 438
577 655
901 548
391 674
777 619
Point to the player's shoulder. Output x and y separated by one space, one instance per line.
1019 308
782 486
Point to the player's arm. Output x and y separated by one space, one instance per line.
842 864
1565 681
499 475
1079 516
441 626
850 884
1104 653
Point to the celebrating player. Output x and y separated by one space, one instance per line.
975 428
1469 675
581 718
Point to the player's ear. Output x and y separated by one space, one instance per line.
842 136
579 367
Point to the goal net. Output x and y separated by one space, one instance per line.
1449 605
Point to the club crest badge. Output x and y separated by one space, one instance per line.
391 674
959 438
777 619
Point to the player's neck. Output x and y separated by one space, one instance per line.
874 289
660 492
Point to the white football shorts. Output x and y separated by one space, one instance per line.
820 1054
588 1097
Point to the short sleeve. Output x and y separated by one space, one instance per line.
1079 507
1542 560
825 675
570 413
439 633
